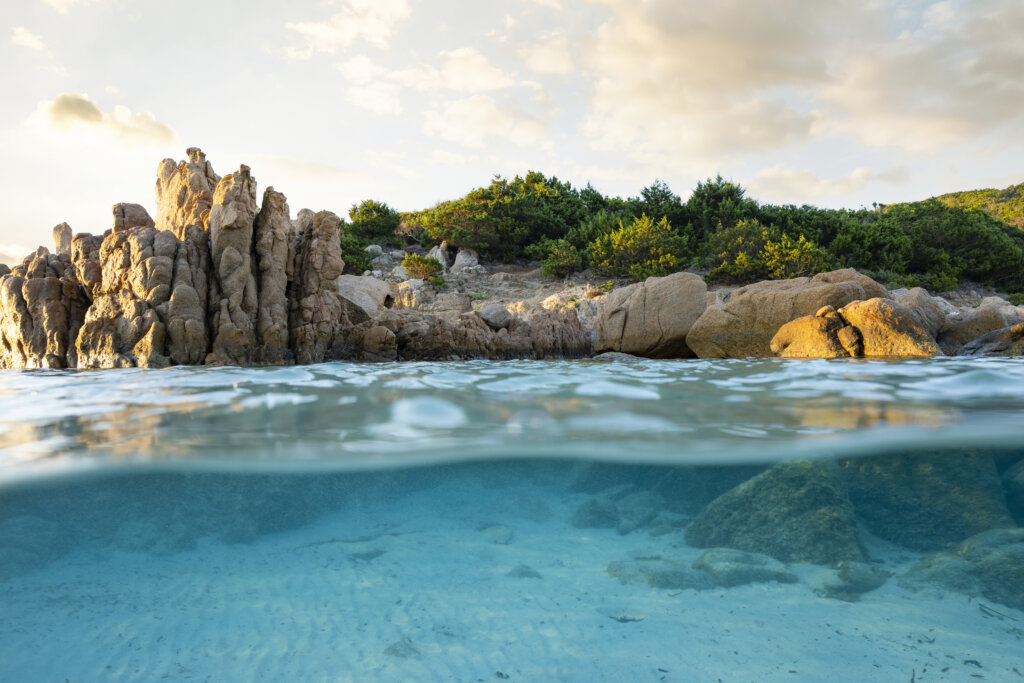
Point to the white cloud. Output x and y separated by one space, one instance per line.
371 20
12 254
75 113
550 56
553 4
463 70
476 120
22 37
786 184
444 157
63 6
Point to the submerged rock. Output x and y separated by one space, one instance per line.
795 512
853 579
989 565
658 572
1013 484
728 568
651 318
925 502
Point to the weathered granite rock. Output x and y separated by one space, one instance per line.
888 329
745 324
930 311
810 337
85 256
364 298
274 245
652 318
4 269
496 316
234 297
444 254
184 193
959 331
379 344
316 316
125 325
728 568
924 501
128 216
989 565
187 333
465 261
62 239
794 512
41 310
1008 341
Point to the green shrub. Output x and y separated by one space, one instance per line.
375 222
424 268
751 251
641 250
562 259
1016 299
353 251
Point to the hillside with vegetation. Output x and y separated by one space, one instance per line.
937 243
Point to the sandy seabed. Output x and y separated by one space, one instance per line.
470 582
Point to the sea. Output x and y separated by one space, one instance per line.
482 521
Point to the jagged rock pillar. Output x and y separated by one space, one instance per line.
316 317
275 255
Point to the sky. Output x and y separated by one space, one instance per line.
837 103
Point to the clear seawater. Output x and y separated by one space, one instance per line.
420 521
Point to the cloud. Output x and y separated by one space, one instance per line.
12 254
63 6
700 83
22 37
957 77
549 57
463 70
789 184
75 113
477 120
370 20
553 4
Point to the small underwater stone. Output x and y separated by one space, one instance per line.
596 513
853 579
402 649
658 573
729 568
523 571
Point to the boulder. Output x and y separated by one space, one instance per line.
128 216
364 297
926 501
957 331
62 239
795 512
496 316
184 193
274 244
379 344
652 318
745 324
728 568
989 565
810 337
4 269
316 316
1008 341
852 579
41 310
888 329
657 572
466 261
234 297
930 311
445 254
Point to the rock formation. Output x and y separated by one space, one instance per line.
744 325
62 239
651 318
184 193
316 316
274 245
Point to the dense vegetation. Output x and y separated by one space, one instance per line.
936 243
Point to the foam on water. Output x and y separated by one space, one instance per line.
358 416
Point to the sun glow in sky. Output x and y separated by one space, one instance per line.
837 103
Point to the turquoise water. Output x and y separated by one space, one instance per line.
505 520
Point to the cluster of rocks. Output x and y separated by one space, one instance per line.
960 509
841 314
218 278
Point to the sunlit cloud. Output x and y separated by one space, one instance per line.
22 37
12 254
371 20
63 6
76 114
551 56
476 120
786 184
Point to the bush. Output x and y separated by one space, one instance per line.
375 222
750 251
562 259
424 268
641 250
1016 299
353 251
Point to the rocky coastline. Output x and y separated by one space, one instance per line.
218 278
